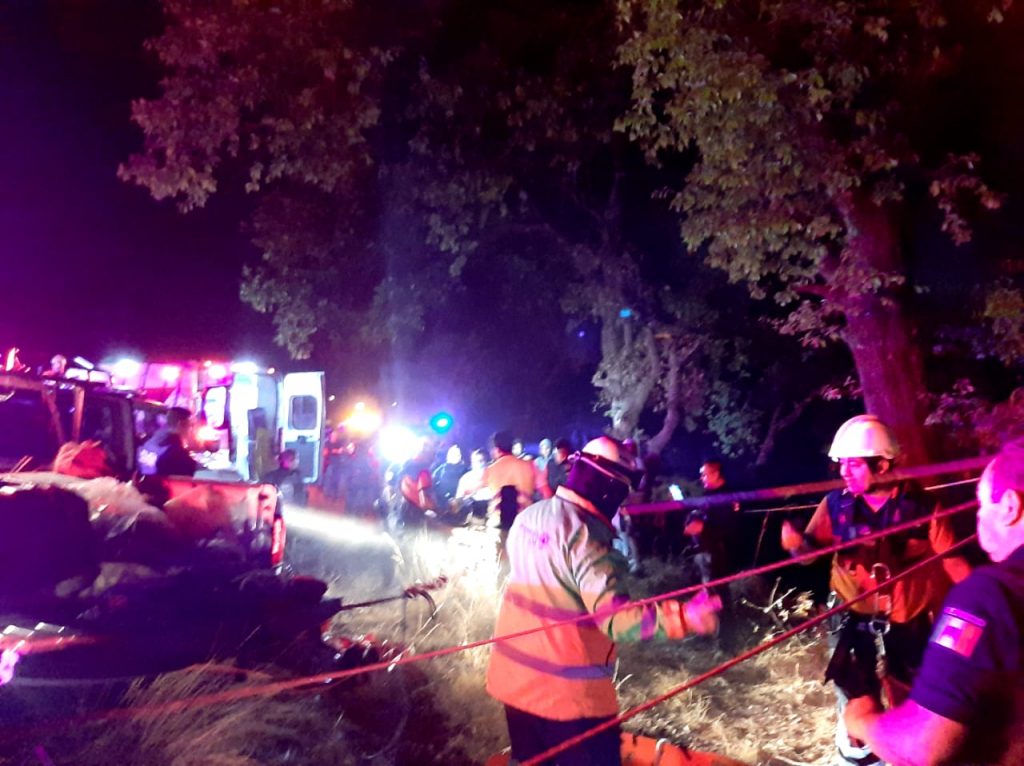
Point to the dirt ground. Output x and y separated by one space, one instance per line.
772 710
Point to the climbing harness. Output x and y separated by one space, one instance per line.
880 625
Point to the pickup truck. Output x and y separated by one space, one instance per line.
38 414
117 587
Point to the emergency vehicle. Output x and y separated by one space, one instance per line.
39 413
246 413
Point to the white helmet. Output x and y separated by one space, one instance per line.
605 446
610 450
864 436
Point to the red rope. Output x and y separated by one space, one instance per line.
786 492
268 689
807 506
718 670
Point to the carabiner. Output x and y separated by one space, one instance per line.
883 601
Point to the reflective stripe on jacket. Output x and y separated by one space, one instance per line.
563 566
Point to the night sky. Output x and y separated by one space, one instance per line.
95 266
92 265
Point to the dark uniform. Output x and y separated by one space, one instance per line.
912 597
289 482
445 480
973 670
164 454
555 473
413 488
719 542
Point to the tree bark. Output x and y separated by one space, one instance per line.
880 334
673 401
890 371
780 423
626 388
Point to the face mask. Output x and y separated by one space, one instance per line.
590 480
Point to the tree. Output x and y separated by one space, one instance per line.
404 164
812 125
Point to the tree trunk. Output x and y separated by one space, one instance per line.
627 373
890 371
880 334
673 401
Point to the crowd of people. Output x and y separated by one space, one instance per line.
922 674
928 672
438 483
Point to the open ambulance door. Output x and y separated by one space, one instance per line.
301 419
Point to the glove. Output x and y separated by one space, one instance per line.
700 614
792 539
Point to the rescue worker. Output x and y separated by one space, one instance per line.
555 469
415 497
967 703
287 478
545 452
509 481
362 487
472 481
472 496
165 453
901 620
625 538
715 531
558 683
545 448
58 367
446 477
335 454
519 450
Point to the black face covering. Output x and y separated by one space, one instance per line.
603 482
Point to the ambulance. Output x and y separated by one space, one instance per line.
245 413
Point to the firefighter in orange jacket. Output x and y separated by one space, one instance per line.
557 683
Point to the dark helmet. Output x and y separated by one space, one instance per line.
604 474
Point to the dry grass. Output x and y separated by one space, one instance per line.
249 732
771 711
455 721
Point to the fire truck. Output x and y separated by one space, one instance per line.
246 413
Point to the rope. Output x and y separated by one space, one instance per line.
780 508
296 684
948 484
418 590
719 669
808 506
784 493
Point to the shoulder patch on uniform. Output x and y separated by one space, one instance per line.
535 538
958 630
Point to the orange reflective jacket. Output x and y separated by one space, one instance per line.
563 566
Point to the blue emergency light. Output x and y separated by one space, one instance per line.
441 423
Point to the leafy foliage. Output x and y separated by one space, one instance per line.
973 421
417 168
274 83
804 120
406 165
1004 314
798 115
